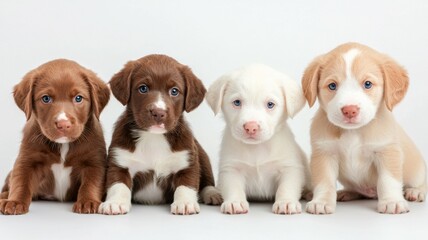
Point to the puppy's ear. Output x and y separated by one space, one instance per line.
396 82
310 80
195 90
215 93
120 83
294 99
100 93
23 93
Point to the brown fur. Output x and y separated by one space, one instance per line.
31 176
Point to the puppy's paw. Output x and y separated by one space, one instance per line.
320 207
393 207
287 207
344 196
211 195
9 207
114 208
185 208
235 207
414 195
86 206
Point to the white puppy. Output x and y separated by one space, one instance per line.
259 158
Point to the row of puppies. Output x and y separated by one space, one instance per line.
153 157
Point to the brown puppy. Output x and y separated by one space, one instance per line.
62 155
153 157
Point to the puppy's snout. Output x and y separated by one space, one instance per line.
63 125
158 114
251 127
350 111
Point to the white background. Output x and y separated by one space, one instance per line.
212 38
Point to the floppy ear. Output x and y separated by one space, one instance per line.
120 83
100 93
215 93
310 80
294 99
23 93
396 82
195 90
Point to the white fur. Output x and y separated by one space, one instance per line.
62 140
62 116
61 174
185 201
150 194
118 200
160 103
272 166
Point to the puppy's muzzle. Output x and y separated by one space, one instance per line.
158 114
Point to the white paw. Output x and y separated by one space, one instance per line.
211 195
185 208
393 207
287 207
114 208
320 207
414 195
235 207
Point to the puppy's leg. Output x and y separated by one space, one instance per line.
290 187
232 187
5 190
186 193
348 195
324 170
119 183
91 190
389 185
209 194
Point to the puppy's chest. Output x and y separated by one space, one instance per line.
61 174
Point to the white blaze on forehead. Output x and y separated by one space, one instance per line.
62 116
349 57
160 103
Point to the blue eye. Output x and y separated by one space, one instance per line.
174 92
332 86
46 99
368 84
270 105
78 98
237 103
143 88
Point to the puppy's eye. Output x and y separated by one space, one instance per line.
332 86
237 102
46 99
174 92
143 88
78 99
270 105
368 84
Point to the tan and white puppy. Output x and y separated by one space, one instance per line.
259 158
354 136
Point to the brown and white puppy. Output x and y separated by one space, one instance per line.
354 135
153 157
63 154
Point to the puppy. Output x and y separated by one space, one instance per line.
63 154
153 157
259 158
354 135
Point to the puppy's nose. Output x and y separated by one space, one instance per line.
251 127
158 114
350 111
63 125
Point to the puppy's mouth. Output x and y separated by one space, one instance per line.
157 128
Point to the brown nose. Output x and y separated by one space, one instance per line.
158 114
350 111
251 127
63 125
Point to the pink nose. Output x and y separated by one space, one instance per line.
251 127
350 111
63 125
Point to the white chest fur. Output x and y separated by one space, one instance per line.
61 174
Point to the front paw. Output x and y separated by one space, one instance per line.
114 208
9 207
185 208
414 195
320 207
211 196
235 207
86 206
287 207
393 207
